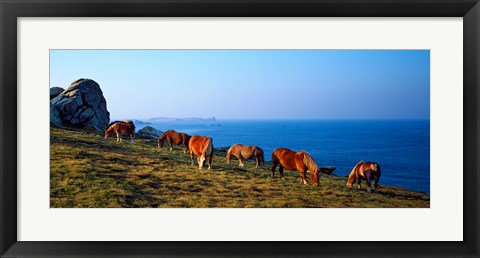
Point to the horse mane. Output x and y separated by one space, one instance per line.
231 148
163 136
353 174
110 127
309 161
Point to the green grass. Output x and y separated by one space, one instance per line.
88 171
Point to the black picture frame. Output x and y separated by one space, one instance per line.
10 10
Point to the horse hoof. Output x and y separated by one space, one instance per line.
369 190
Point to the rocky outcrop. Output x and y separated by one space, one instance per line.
55 116
148 132
82 105
55 91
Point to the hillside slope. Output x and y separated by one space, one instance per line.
87 171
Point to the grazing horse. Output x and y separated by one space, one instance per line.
120 128
291 160
367 171
242 151
173 137
202 146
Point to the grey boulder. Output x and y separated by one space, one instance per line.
149 132
55 91
55 116
82 104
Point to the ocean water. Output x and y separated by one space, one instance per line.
401 147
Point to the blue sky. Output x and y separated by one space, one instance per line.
253 84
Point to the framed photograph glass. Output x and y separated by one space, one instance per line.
140 152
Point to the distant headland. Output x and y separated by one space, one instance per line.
162 119
168 119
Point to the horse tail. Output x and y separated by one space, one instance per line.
379 173
376 168
353 174
209 147
130 122
275 159
262 156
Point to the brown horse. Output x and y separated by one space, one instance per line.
246 152
291 160
367 171
120 128
202 146
173 137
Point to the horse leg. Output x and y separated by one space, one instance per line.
274 166
240 162
191 157
210 161
359 183
281 172
131 141
256 159
118 136
200 162
368 175
302 175
171 146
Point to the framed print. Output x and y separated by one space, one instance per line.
383 95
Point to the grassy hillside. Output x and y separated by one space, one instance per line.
87 171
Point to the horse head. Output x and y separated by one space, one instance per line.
315 177
107 133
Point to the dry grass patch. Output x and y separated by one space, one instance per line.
87 171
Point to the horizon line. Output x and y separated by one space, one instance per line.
216 119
